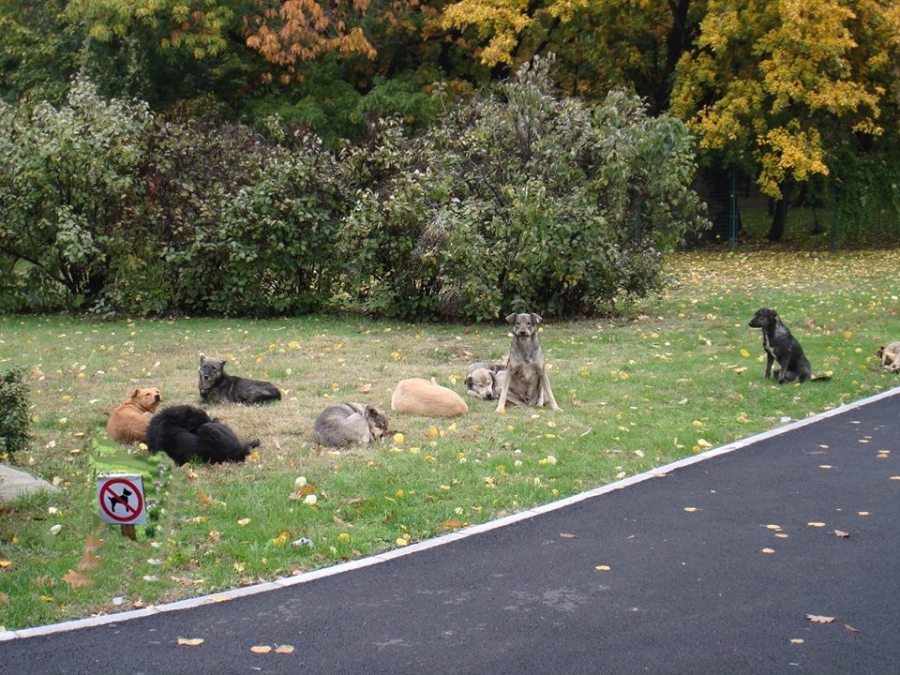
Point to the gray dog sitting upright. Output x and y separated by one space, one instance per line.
215 385
526 380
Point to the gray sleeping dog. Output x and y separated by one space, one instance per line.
526 380
345 423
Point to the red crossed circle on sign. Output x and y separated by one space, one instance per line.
111 499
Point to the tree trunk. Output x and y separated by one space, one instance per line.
776 229
779 218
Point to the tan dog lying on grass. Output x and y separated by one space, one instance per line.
890 357
417 396
128 422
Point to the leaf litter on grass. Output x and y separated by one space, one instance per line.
675 375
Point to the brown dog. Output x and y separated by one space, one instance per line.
417 396
526 380
128 422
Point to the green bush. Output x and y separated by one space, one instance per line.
232 224
14 405
66 183
519 200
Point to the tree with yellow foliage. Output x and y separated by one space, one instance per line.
783 87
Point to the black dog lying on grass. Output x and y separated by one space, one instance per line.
186 433
783 347
216 385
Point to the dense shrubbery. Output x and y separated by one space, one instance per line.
14 404
521 200
66 182
518 199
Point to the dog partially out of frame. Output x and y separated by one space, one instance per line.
890 357
216 385
187 433
485 380
782 347
128 422
527 382
345 423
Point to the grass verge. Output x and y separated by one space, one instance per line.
679 374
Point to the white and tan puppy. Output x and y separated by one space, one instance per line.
484 380
128 422
890 357
417 396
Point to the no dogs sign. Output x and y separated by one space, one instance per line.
121 499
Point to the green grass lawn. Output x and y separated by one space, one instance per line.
677 375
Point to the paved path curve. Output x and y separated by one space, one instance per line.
713 568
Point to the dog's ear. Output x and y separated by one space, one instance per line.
536 318
137 392
511 319
880 351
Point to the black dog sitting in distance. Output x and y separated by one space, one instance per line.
781 346
216 385
186 433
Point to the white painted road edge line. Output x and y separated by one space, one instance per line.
342 568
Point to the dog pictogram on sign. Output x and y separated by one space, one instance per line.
121 499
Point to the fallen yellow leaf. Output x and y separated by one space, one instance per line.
261 649
190 642
603 568
820 619
816 524
767 550
284 649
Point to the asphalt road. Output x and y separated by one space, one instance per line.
714 568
